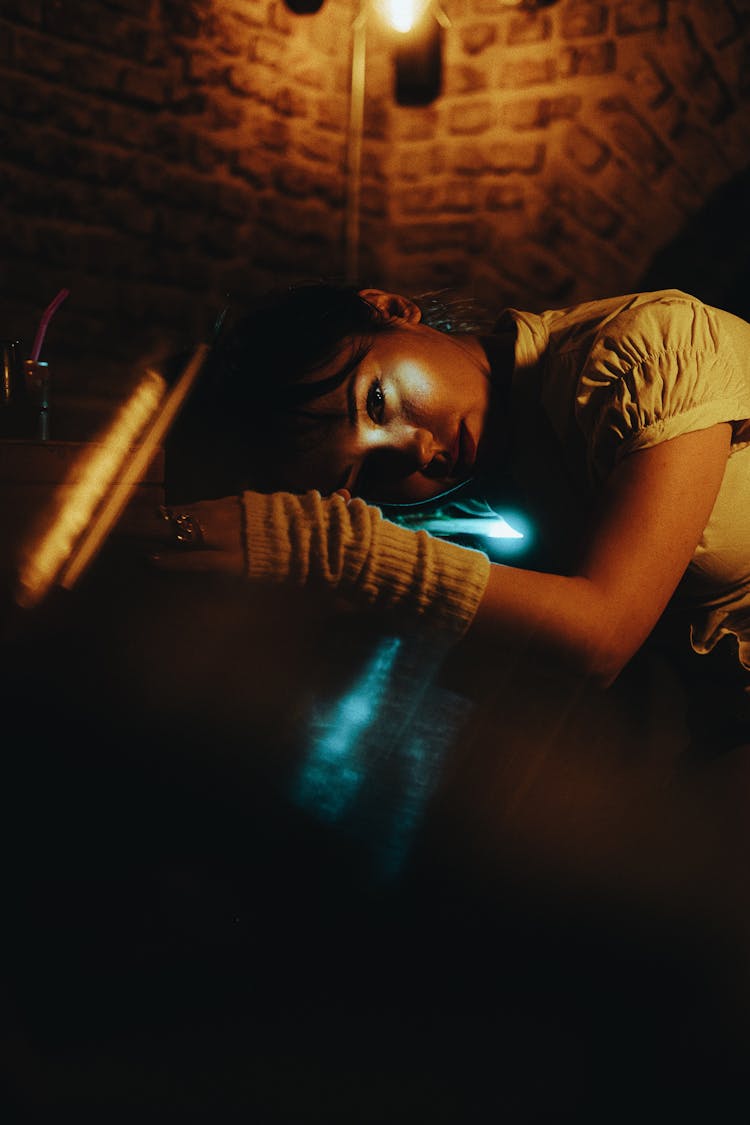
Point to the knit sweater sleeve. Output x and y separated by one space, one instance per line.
329 544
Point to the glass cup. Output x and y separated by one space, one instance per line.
36 372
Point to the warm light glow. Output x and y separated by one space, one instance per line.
403 15
78 502
102 483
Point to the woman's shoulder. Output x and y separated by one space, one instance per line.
629 327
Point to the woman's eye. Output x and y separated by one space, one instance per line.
376 402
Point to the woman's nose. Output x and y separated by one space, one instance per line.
424 447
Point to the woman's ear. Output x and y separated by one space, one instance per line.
392 306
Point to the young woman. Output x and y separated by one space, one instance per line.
625 423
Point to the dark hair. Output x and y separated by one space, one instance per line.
250 413
250 409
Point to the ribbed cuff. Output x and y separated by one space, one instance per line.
437 581
349 547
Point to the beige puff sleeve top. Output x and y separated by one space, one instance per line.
626 373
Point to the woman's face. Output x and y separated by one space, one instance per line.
409 419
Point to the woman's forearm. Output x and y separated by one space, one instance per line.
564 618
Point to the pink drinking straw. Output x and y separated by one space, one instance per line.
47 315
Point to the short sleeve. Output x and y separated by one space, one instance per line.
655 372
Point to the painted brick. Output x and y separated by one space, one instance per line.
650 80
187 103
455 197
464 80
421 161
699 152
328 114
587 207
321 148
268 49
230 35
117 210
376 118
504 157
313 74
471 117
25 11
373 200
140 8
225 114
293 181
77 116
635 138
273 135
536 113
532 71
145 86
698 73
417 237
579 20
247 81
254 165
718 22
7 43
30 53
205 155
588 59
537 272
183 19
459 195
97 73
743 77
477 37
506 197
279 17
632 16
415 125
288 102
467 159
586 149
529 27
524 113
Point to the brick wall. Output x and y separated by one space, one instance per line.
570 145
158 155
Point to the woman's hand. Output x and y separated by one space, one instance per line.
204 537
208 536
332 546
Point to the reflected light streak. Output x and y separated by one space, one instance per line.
107 477
52 549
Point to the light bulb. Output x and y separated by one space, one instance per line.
403 15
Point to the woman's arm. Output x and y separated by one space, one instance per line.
653 512
652 515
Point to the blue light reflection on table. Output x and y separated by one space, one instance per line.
375 753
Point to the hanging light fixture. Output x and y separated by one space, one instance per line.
418 58
304 7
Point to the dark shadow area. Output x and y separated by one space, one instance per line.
710 258
565 940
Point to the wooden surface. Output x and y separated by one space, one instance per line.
200 925
261 864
